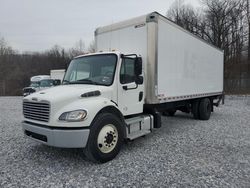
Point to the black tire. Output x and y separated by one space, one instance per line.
164 113
171 113
92 150
195 109
205 109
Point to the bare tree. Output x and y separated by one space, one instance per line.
78 49
5 48
91 47
80 46
187 17
174 13
247 8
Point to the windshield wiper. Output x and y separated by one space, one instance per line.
84 81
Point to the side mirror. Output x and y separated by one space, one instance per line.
138 66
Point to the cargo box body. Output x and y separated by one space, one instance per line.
177 64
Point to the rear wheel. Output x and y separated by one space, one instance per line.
195 109
171 113
205 109
105 139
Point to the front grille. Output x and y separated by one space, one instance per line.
36 111
28 90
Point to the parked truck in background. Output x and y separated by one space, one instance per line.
143 67
37 83
41 82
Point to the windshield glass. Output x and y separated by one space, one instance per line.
96 69
46 83
34 84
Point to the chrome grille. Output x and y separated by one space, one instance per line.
39 111
29 90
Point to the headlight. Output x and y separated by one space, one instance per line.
77 115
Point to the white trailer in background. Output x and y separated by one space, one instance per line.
57 74
144 67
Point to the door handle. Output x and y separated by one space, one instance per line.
140 96
127 88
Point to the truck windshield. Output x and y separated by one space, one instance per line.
35 84
96 69
46 83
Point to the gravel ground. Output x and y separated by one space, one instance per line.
183 153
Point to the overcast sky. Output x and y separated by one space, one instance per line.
37 25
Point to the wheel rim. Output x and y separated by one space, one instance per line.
107 138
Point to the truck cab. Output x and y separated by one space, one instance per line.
116 72
88 110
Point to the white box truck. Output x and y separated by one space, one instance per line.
41 82
37 83
144 67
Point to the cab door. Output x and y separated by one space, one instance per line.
130 91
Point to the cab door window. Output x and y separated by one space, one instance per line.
127 73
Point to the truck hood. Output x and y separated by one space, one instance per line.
29 88
66 93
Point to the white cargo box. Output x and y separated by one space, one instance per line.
57 74
177 64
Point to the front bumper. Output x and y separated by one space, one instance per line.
57 137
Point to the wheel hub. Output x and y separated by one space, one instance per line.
107 138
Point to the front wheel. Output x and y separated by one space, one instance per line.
105 139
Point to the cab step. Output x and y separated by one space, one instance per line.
139 126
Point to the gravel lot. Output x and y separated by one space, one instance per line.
183 153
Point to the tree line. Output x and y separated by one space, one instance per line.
225 24
17 68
